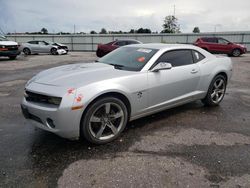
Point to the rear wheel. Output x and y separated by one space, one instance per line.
26 51
236 52
104 120
216 91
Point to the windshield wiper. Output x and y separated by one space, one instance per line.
116 65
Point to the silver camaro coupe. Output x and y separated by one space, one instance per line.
96 100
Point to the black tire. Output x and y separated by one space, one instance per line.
236 52
53 51
12 57
26 51
99 124
213 92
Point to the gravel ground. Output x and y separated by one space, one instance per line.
188 146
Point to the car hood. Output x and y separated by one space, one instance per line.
58 44
79 74
8 43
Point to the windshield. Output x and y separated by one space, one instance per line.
3 38
129 58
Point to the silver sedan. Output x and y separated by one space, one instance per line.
37 46
96 100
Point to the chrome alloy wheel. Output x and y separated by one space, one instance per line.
218 90
106 121
236 52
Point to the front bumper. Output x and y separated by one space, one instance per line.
59 120
9 53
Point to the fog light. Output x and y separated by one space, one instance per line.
50 123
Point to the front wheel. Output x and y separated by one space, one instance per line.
216 91
104 120
53 51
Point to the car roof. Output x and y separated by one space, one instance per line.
160 46
126 40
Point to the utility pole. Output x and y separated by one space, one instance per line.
174 10
1 31
74 29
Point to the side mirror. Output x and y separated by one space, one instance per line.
162 66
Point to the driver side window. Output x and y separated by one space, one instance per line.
120 43
222 41
41 43
177 58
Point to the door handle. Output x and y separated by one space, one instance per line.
194 71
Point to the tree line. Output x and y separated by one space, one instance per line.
170 25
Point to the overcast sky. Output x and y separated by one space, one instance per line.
61 15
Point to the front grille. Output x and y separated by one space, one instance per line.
12 48
44 99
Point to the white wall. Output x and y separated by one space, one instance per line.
89 42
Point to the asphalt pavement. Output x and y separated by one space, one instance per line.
188 146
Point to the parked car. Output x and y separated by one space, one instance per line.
103 49
96 100
220 45
8 48
37 46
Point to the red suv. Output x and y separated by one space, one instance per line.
220 45
104 49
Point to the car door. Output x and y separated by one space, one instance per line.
33 45
176 84
211 44
223 46
43 47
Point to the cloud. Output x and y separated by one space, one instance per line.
31 15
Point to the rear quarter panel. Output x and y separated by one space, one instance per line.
212 67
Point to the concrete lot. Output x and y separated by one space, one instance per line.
188 146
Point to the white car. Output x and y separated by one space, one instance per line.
8 48
37 46
97 100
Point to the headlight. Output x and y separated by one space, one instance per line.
54 100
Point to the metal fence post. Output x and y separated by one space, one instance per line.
187 39
72 43
92 43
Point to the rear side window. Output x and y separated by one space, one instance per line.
33 42
197 56
177 57
211 40
121 43
132 42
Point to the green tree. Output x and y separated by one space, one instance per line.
103 31
142 30
44 31
196 30
93 32
132 31
171 25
